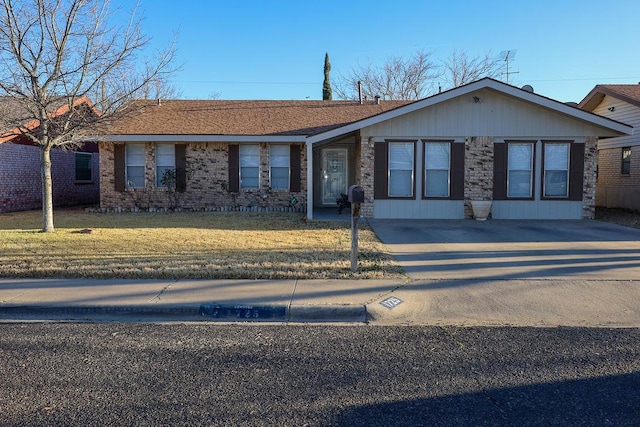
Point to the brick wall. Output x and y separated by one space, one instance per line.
366 176
589 179
207 180
613 189
21 183
478 175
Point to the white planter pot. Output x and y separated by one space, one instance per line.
481 209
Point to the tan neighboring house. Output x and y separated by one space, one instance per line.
618 180
531 156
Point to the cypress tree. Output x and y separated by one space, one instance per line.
326 85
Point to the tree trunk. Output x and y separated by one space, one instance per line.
47 189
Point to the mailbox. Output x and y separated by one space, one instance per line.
356 194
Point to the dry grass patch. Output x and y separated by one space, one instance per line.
219 245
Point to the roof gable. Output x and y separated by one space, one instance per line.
613 127
626 93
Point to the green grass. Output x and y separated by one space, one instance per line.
220 245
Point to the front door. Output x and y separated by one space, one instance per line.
334 174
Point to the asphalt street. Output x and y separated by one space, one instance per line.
203 374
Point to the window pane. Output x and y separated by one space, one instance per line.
249 177
84 164
401 155
556 156
135 176
401 169
519 184
165 155
437 160
437 183
135 154
250 155
279 156
135 157
626 161
280 178
437 155
555 183
520 156
400 183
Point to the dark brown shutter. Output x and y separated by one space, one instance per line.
380 171
294 164
499 171
181 167
457 171
234 168
119 167
576 172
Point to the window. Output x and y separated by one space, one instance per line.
437 158
84 167
625 168
519 170
135 158
165 161
249 166
556 170
279 162
401 169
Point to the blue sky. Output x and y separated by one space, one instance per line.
270 49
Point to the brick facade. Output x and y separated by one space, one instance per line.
207 170
366 176
478 175
21 182
613 188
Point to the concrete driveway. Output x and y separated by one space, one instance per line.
576 273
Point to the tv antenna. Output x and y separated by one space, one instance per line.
506 56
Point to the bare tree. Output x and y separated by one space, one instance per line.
397 78
71 71
460 68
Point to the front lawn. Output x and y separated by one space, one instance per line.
219 245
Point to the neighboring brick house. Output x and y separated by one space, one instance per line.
532 156
618 179
75 173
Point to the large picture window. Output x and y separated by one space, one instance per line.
135 164
556 169
249 166
165 161
401 163
520 170
279 161
84 167
437 160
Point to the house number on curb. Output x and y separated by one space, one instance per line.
391 302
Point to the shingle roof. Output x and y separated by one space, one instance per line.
185 117
627 93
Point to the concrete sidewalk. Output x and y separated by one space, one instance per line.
462 301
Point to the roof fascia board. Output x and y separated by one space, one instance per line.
206 138
467 89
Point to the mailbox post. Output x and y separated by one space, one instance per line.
356 197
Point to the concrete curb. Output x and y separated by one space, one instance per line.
328 313
210 311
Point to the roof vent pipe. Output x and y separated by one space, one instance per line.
377 99
360 91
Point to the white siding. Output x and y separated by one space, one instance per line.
494 114
426 209
623 112
541 209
